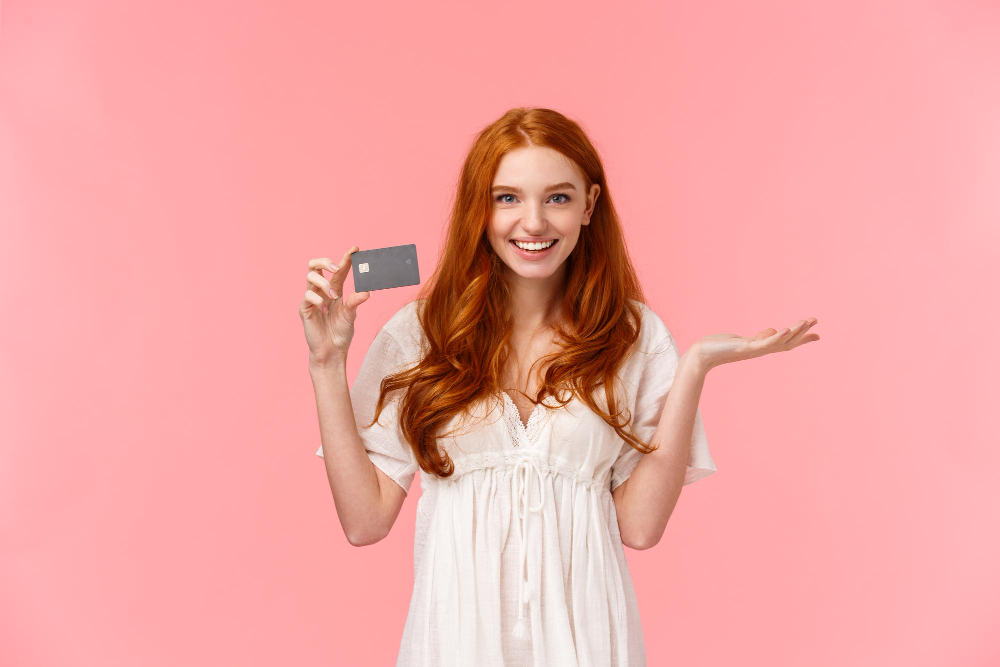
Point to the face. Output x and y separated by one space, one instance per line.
527 209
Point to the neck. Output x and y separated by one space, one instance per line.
536 301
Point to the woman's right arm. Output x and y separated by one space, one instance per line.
367 500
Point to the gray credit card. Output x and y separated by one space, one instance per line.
382 268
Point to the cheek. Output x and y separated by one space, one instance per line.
571 230
500 227
495 236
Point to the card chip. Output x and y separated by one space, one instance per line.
363 268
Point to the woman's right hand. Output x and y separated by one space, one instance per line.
327 315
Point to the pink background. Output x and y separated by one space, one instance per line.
169 168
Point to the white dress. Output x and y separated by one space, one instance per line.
524 533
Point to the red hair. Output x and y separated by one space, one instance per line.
465 306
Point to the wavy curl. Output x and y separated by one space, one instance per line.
465 305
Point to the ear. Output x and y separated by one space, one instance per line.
592 195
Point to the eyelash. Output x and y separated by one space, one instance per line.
507 194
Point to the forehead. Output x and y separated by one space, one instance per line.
531 165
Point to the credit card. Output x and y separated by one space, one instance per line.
383 268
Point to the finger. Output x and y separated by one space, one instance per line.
339 276
329 265
800 330
311 298
323 286
312 301
768 343
351 303
778 336
317 265
766 333
323 263
772 343
316 282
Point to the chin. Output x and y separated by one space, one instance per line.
536 272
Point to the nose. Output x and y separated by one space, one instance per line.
534 220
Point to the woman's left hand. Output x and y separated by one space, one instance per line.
719 349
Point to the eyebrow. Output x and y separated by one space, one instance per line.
557 186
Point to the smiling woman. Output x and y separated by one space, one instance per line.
526 381
536 222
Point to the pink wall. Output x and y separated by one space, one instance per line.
169 168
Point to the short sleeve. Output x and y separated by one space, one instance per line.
658 366
384 441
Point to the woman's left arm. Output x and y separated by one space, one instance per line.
645 501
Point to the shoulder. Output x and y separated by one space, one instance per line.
655 353
402 318
404 326
653 332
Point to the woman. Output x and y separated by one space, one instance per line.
529 381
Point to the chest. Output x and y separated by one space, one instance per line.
495 428
526 365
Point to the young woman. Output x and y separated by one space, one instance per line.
529 382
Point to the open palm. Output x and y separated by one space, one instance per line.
720 349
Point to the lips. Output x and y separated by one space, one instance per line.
534 254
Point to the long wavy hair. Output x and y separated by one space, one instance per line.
465 306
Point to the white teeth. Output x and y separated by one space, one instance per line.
533 246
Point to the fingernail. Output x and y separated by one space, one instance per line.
333 294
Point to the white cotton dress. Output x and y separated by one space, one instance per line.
524 533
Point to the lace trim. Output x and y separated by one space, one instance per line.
474 462
519 433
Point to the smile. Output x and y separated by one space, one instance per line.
533 246
534 252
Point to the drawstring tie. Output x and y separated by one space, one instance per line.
522 496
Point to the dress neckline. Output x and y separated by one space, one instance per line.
522 432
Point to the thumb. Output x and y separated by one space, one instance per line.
353 300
